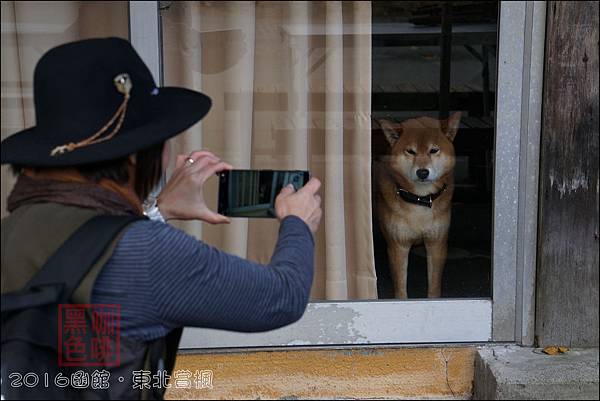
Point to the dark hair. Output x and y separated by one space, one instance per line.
148 170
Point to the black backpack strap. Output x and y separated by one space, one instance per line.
63 272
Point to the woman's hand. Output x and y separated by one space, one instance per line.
182 197
305 203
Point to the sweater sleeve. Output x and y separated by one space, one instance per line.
194 284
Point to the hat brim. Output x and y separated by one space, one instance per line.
174 111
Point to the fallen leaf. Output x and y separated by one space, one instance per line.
552 350
555 350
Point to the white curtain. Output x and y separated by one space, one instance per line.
291 89
291 86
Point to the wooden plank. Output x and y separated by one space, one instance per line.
473 88
419 88
404 87
567 284
475 122
346 373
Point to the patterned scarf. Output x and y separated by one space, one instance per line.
106 197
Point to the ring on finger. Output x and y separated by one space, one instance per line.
190 161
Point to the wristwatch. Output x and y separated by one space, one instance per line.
151 210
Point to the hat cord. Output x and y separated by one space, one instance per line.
123 84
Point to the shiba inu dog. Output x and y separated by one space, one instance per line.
415 183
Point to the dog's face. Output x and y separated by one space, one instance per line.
422 149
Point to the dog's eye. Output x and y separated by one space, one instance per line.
434 150
411 152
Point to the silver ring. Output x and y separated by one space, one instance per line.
190 161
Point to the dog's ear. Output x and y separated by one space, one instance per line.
451 125
391 129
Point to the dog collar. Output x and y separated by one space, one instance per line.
426 200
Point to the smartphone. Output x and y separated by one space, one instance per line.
252 193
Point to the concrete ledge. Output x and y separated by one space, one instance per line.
511 373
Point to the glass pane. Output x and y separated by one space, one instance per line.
29 29
432 60
291 90
305 85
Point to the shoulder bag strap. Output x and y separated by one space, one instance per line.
63 272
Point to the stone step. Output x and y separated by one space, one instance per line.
517 373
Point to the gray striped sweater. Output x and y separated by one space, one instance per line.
164 278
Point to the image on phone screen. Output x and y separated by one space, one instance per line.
252 193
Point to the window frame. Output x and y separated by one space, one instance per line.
509 315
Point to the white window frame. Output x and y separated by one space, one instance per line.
509 315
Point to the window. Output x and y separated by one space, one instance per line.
292 89
306 85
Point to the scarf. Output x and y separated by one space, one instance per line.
68 189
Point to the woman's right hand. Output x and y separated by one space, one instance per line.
182 197
304 203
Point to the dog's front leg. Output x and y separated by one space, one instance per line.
436 260
398 255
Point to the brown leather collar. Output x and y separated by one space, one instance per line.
426 200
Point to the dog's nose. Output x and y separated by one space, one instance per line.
422 173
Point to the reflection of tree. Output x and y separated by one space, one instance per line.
266 183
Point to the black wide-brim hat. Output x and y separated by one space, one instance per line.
80 92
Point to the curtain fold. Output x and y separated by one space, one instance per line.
291 89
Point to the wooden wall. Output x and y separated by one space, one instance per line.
567 276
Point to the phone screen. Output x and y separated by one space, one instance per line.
252 193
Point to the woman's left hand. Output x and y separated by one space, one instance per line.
183 198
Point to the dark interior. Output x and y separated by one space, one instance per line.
430 59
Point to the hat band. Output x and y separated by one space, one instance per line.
123 84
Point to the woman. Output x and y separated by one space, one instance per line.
100 147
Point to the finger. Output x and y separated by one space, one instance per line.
314 221
287 190
180 161
214 218
318 199
197 154
201 163
312 186
316 216
213 169
197 159
228 166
